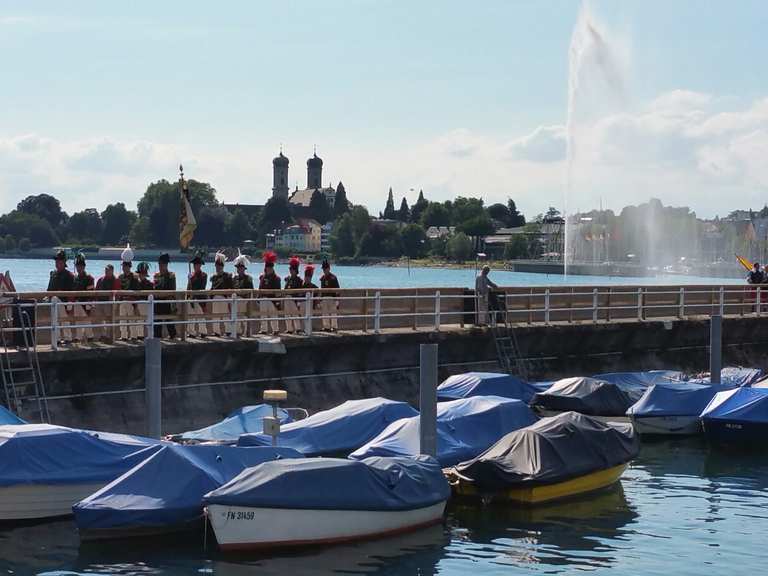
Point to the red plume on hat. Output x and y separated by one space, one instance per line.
309 269
269 258
294 262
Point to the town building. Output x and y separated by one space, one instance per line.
301 197
303 237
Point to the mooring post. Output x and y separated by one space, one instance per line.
715 348
152 386
428 399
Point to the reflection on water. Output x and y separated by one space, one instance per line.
680 509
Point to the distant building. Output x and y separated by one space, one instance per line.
303 237
325 237
434 232
300 197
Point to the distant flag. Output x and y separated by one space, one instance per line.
744 262
187 222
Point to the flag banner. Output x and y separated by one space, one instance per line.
744 262
187 222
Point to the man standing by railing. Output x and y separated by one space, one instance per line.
62 280
220 281
164 280
292 282
128 281
103 312
268 308
483 285
145 284
83 282
197 281
330 302
242 281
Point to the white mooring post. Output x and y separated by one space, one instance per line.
235 334
715 348
308 313
152 386
428 399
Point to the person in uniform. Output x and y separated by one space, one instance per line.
309 271
144 284
102 313
197 281
128 281
756 275
83 282
164 280
219 306
269 308
62 280
242 281
293 282
330 302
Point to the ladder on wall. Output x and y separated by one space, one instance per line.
507 347
20 368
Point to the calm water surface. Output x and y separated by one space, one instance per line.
680 509
32 275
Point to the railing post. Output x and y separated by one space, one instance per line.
150 324
152 386
758 301
428 399
722 300
682 303
308 313
55 323
377 313
715 348
640 303
437 311
546 306
233 316
594 305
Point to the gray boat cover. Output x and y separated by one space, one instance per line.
553 450
585 395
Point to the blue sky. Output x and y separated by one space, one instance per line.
99 98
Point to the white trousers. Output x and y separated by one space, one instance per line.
82 315
330 314
293 322
196 327
220 305
267 309
65 321
128 328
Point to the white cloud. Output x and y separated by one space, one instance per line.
545 144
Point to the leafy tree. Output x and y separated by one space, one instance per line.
516 219
85 226
276 214
160 205
117 223
517 247
238 228
418 208
389 210
342 237
499 212
318 207
3 247
459 247
140 232
414 240
212 226
404 213
381 241
359 220
466 209
27 225
552 212
341 204
24 245
45 206
438 247
477 226
10 243
435 214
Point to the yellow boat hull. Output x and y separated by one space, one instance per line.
542 494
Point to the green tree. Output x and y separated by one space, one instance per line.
318 207
359 220
438 247
464 209
435 214
476 226
418 209
117 223
516 219
27 225
499 212
10 243
45 206
342 238
276 214
381 241
389 209
413 240
459 247
140 232
85 226
24 245
3 247
212 226
340 204
403 214
516 248
238 228
160 205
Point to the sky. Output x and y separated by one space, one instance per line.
98 99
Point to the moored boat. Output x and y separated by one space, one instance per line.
472 384
324 501
245 420
737 417
584 395
672 409
560 457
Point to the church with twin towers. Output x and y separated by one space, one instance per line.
301 197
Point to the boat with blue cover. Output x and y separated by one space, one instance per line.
7 417
584 395
327 500
164 493
245 420
45 469
465 428
337 431
486 384
672 408
737 417
636 383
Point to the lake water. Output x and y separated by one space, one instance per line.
681 509
32 275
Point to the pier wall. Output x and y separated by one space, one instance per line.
203 381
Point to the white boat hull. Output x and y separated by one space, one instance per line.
36 501
241 528
668 425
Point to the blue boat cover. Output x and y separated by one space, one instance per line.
738 405
636 383
242 421
733 377
485 384
674 399
8 417
46 454
339 430
465 428
376 483
167 488
584 395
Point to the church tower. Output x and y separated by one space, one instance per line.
280 176
314 172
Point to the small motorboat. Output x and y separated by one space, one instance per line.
164 493
737 417
672 408
584 395
636 383
245 420
9 418
486 384
560 457
326 500
45 469
337 431
465 428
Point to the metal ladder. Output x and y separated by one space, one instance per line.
22 378
507 348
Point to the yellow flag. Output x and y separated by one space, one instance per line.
744 262
187 222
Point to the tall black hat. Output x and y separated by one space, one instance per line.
164 257
60 255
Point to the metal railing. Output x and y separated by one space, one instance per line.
64 316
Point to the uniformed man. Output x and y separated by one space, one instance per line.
83 282
242 281
309 271
330 302
145 284
756 275
129 329
102 313
221 280
269 308
62 280
164 280
197 281
293 282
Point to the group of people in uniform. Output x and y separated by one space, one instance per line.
204 310
757 275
